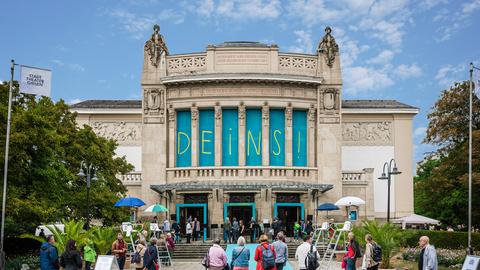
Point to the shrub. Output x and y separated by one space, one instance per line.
442 239
15 263
445 257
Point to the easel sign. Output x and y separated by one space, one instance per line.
127 228
154 227
106 262
471 263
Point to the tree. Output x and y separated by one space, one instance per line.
46 148
442 178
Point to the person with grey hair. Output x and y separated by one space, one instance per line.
240 255
217 256
281 249
150 258
428 255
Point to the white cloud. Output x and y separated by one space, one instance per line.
303 42
384 8
363 79
237 9
205 7
382 58
58 62
171 15
71 66
448 74
405 71
428 4
312 12
388 31
419 132
471 7
350 50
134 24
454 21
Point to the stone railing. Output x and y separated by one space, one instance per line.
131 178
297 64
357 177
187 64
242 173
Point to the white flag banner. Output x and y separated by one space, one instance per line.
476 91
35 81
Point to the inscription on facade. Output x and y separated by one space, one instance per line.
241 59
122 132
368 133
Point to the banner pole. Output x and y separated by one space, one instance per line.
5 169
470 248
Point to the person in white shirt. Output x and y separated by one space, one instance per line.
188 231
303 250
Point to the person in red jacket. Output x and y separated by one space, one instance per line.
264 245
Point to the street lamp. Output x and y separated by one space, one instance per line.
388 176
86 171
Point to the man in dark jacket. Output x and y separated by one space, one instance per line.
49 255
150 259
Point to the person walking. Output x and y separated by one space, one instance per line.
49 254
265 255
176 231
217 256
428 255
276 227
235 230
240 255
166 226
119 250
196 229
353 252
188 231
309 228
227 231
71 258
296 230
150 258
253 229
140 250
302 251
281 250
89 254
368 257
170 243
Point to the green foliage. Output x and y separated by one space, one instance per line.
15 263
387 235
445 257
46 149
442 239
103 238
443 177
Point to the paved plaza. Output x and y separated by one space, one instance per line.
195 265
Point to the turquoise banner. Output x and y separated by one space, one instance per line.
277 137
229 137
206 138
184 139
253 137
299 144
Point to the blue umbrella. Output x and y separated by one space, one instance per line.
130 202
327 207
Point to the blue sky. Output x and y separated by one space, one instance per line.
402 49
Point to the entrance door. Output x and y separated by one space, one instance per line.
289 213
240 211
199 211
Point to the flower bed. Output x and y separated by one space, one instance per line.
445 257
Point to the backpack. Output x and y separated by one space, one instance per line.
377 252
136 258
268 259
311 261
206 260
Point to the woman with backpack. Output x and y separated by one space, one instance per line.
240 255
370 259
353 252
150 258
137 258
71 258
265 255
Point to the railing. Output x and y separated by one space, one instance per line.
297 64
242 173
131 178
187 64
355 177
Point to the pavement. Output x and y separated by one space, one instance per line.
195 265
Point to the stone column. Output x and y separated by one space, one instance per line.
288 136
265 205
194 115
312 119
217 207
172 129
218 135
241 134
265 137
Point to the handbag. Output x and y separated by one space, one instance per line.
233 260
206 259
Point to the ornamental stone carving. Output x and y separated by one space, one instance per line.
241 114
265 113
367 133
328 46
122 132
194 114
171 116
311 114
218 114
155 47
154 103
329 100
288 114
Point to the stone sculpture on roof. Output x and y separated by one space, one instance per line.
328 46
156 46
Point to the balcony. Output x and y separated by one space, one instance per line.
360 177
131 179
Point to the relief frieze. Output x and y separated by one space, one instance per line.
120 131
367 133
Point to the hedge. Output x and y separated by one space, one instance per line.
443 239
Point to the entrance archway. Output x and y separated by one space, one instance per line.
289 213
187 208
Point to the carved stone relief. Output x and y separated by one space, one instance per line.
241 114
194 114
155 47
171 116
328 46
218 114
265 114
329 105
122 132
367 133
288 114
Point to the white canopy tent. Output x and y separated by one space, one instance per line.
415 219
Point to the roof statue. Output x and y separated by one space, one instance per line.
328 46
156 46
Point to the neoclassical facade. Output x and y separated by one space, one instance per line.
244 130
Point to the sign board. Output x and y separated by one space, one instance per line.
127 228
106 262
154 227
471 263
35 81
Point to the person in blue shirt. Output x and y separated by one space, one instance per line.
49 255
240 255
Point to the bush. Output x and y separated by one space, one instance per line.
443 239
445 257
15 263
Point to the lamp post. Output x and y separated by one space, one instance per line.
86 171
388 176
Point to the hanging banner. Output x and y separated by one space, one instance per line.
299 143
206 137
183 139
277 137
253 137
35 81
229 137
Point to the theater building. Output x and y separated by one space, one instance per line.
245 130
